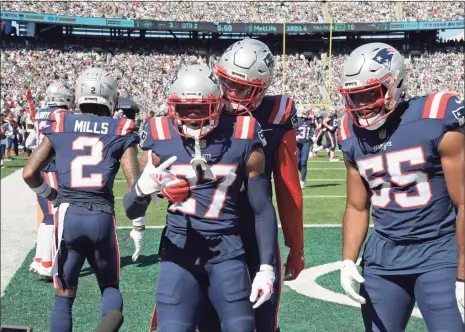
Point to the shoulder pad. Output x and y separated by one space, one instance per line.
245 127
125 127
281 110
343 132
436 105
159 126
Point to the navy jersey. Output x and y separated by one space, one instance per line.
276 116
212 208
402 166
304 131
88 152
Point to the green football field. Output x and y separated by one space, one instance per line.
28 299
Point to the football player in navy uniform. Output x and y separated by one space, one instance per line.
328 127
203 256
89 149
246 70
58 98
304 133
406 158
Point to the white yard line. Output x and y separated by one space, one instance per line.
321 180
305 226
18 224
308 180
326 168
305 196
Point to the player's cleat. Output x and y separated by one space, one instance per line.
34 267
333 159
45 271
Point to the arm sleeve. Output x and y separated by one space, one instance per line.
134 206
266 224
453 118
288 191
258 140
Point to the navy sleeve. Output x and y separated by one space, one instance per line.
258 140
292 120
146 139
454 118
134 206
266 224
455 114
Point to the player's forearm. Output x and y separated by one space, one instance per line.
354 231
460 236
266 224
288 192
135 206
130 165
38 159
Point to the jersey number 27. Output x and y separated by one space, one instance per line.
214 173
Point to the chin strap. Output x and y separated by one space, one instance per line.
198 160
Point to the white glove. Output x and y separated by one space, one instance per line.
137 233
459 295
153 179
262 286
350 275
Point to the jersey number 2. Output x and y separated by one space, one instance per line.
213 172
94 180
381 197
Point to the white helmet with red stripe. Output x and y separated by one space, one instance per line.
95 86
194 101
59 94
245 71
373 83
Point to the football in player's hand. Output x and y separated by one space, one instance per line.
178 193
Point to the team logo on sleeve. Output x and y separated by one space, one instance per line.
143 136
294 121
460 115
262 137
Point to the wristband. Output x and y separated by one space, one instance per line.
43 190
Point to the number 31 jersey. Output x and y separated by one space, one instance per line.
88 152
401 164
212 207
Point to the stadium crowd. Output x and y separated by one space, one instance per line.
251 11
144 74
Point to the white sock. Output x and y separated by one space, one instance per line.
47 241
331 154
39 244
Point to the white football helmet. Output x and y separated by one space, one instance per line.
373 83
96 86
194 101
245 71
59 94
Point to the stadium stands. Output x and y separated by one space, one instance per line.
252 11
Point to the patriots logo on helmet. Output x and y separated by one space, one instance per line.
63 86
384 57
